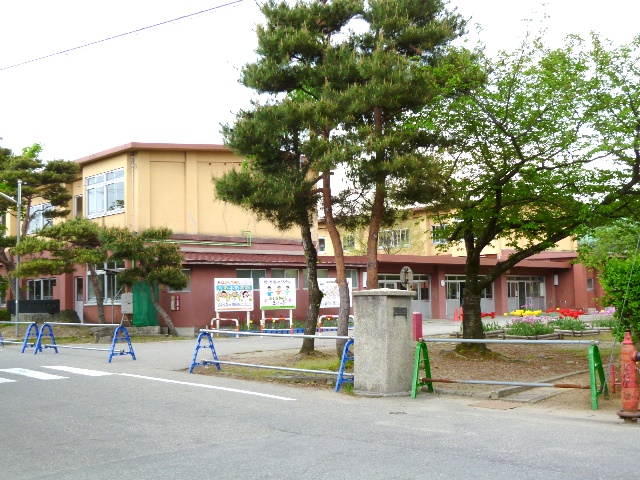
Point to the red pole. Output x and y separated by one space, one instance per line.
629 381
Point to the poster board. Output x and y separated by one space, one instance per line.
277 294
233 294
329 287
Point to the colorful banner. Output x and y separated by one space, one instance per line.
233 294
277 293
329 287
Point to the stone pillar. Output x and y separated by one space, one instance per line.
384 346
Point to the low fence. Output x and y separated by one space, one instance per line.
46 330
595 367
205 334
323 319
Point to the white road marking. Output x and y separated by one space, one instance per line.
234 390
32 373
79 371
6 380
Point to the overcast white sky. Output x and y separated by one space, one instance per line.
178 82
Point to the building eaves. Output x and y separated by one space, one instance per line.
135 146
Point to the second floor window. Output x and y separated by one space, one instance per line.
349 241
399 237
322 245
37 219
105 193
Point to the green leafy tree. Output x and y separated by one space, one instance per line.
525 159
60 248
155 260
297 52
352 91
620 279
276 184
40 180
612 250
618 240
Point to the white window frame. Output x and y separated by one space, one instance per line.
396 238
100 200
109 283
78 206
37 220
49 283
590 284
352 273
435 229
322 245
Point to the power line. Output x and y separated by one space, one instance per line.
122 35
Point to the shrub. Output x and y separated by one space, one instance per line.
529 326
568 323
490 327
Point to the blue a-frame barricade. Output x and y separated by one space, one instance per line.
194 360
346 356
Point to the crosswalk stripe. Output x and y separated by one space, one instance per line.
31 373
6 380
79 371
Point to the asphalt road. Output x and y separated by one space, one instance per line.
149 419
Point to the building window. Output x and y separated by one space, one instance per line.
107 277
320 273
285 273
187 272
105 193
255 274
37 218
437 235
40 289
400 237
349 241
353 275
589 284
487 292
77 206
322 245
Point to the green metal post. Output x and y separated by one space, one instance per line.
421 351
595 366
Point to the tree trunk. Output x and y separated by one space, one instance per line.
372 240
315 294
472 320
97 287
163 314
341 271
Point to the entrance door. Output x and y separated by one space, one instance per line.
79 297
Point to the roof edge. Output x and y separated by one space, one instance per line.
134 146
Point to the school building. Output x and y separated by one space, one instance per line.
143 185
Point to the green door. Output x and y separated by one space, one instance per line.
144 313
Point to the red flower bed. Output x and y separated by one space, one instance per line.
567 312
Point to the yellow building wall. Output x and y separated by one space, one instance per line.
174 189
422 244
